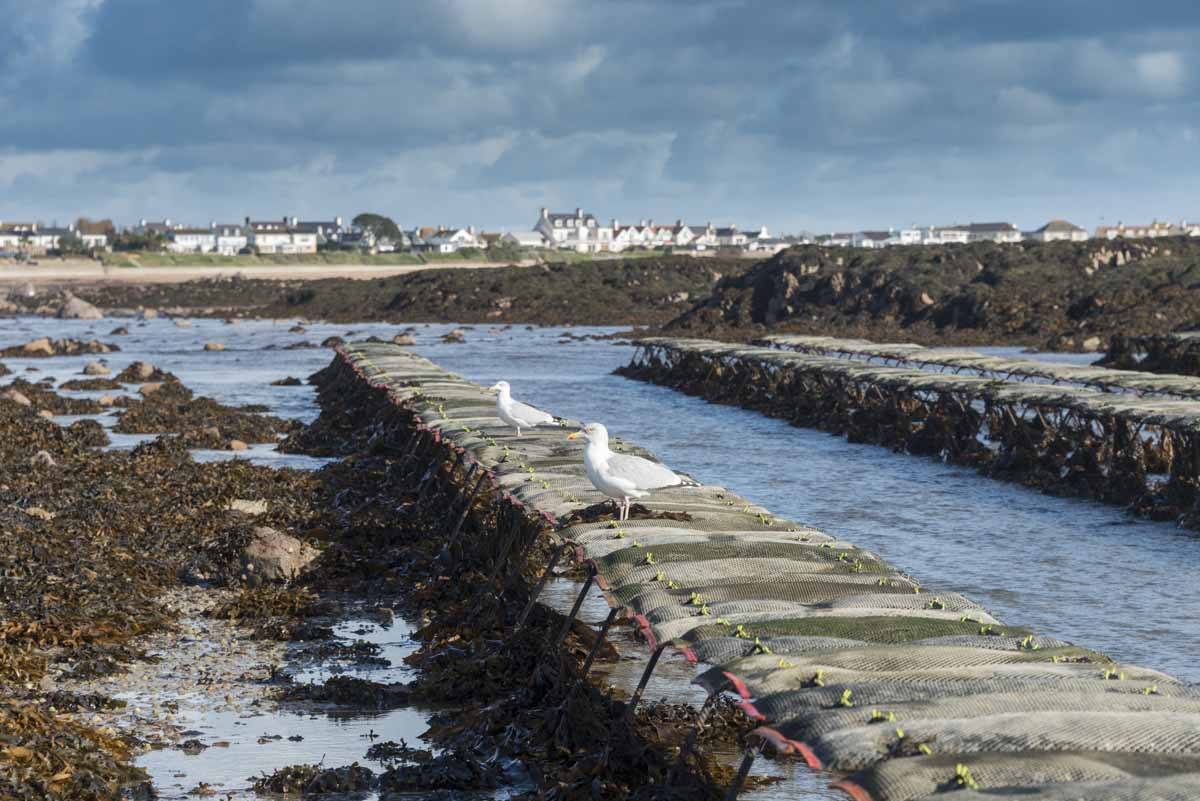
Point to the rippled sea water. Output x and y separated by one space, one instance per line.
1075 569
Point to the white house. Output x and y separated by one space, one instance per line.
1058 231
279 237
992 232
579 231
229 239
452 240
191 240
1190 229
767 245
147 227
328 232
1154 230
836 240
13 235
945 235
730 237
871 239
524 239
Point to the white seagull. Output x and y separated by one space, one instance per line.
516 414
620 476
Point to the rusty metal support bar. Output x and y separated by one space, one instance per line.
566 626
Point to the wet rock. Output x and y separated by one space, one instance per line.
297 329
290 381
106 400
119 331
96 369
214 346
404 340
272 555
248 507
237 445
332 342
16 397
138 371
38 347
384 616
456 336
42 459
147 314
183 323
74 308
150 387
192 747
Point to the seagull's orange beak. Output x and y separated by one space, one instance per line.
573 435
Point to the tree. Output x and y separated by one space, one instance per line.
504 251
379 226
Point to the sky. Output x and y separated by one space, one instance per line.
798 115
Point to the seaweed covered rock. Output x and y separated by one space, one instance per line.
315 780
168 407
272 555
1056 294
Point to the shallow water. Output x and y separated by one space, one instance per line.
1075 569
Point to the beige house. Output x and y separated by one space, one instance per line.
1058 231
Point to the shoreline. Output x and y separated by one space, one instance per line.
91 273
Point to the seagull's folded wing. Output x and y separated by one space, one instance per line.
643 473
529 415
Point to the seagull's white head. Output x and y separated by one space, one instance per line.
500 386
592 432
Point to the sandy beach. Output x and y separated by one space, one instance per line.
86 271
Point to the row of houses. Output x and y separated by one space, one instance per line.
1002 232
291 235
583 233
35 238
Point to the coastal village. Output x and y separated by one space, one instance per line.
574 231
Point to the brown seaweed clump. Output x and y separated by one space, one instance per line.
44 755
351 691
42 397
199 422
315 780
91 384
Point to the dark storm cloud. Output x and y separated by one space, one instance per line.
801 114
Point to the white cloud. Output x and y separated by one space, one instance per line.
1163 73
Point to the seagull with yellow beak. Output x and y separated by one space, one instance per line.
621 476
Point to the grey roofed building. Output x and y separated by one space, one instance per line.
326 228
1059 226
986 228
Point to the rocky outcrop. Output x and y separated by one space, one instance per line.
1074 295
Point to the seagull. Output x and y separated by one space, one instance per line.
620 476
517 414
